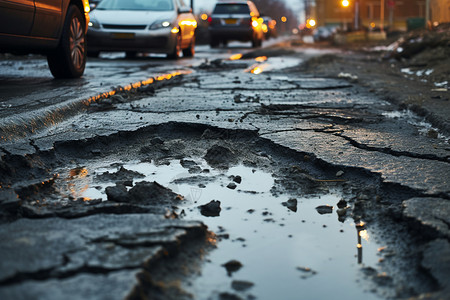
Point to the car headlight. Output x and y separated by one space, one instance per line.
160 24
94 24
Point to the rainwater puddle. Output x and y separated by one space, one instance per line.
285 253
422 126
265 64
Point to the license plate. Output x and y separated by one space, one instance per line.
230 21
123 36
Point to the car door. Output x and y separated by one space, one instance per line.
16 16
48 18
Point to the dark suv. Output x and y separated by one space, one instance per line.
235 20
55 28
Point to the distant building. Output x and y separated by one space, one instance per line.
398 14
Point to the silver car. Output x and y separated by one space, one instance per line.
156 26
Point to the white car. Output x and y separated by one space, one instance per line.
151 26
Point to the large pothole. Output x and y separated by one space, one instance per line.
282 222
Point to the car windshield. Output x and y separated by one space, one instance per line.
155 5
231 9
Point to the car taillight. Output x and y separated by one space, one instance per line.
214 21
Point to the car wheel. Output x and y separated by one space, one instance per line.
130 54
69 58
214 43
190 51
177 48
254 42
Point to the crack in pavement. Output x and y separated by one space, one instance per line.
393 152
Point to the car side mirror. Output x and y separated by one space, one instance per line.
184 10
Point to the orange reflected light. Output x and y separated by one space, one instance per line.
361 224
236 57
86 6
264 28
310 23
175 30
255 22
78 173
261 58
135 85
211 238
359 246
372 25
188 23
256 70
364 234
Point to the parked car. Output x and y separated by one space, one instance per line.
235 20
55 28
324 33
269 28
157 26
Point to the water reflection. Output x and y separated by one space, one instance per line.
78 183
269 238
361 233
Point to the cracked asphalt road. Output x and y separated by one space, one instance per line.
338 133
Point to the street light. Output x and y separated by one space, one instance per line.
283 19
345 3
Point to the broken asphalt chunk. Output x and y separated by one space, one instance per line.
232 266
211 209
291 204
220 156
241 285
324 209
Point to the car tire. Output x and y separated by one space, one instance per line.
214 43
254 42
175 54
190 51
130 54
69 58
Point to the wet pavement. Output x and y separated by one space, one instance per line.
233 179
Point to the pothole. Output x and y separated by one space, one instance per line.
281 222
283 242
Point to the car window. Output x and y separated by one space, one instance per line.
158 5
231 9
